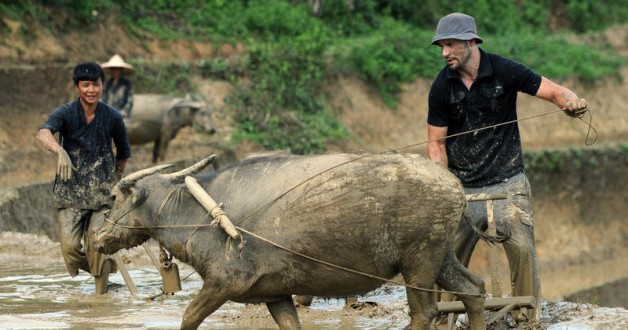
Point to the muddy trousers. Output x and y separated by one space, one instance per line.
74 236
514 216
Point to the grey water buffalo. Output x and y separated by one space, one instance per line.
157 119
329 226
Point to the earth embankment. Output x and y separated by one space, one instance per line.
579 198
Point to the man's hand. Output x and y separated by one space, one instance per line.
576 108
64 165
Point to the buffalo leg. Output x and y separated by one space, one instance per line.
163 145
208 300
304 300
156 149
284 313
422 304
455 277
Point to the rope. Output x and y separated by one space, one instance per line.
588 141
353 270
326 263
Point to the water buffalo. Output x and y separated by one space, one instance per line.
328 225
158 118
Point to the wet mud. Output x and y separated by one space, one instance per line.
38 297
36 292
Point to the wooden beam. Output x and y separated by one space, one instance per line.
125 274
493 252
485 197
500 314
489 304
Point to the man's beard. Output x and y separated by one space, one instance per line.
462 60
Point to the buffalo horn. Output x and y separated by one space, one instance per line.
177 176
133 177
211 206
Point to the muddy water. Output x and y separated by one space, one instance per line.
36 297
41 295
36 292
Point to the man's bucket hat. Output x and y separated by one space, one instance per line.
116 61
456 26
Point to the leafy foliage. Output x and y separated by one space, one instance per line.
554 56
170 78
281 107
394 54
292 47
595 15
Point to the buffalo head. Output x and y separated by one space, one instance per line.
203 114
204 120
130 220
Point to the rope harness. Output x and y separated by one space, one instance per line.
589 140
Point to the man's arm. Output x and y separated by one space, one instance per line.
563 97
120 167
436 144
48 142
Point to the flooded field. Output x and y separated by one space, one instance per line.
37 293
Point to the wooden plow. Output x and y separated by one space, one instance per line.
498 303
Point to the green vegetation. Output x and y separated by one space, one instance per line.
291 49
575 159
548 168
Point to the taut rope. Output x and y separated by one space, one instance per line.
588 141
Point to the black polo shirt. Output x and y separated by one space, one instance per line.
90 149
492 155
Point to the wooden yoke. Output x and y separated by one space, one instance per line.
212 207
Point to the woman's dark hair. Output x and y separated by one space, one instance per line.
88 71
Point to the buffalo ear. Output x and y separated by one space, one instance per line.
138 195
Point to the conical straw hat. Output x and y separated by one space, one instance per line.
116 61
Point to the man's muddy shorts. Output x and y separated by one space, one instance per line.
507 212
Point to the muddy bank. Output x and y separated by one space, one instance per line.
614 294
579 199
28 209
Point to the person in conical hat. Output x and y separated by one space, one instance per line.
118 90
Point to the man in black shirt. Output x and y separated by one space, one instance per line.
86 167
476 90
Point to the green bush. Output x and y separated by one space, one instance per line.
395 54
280 105
166 78
595 15
553 56
278 100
